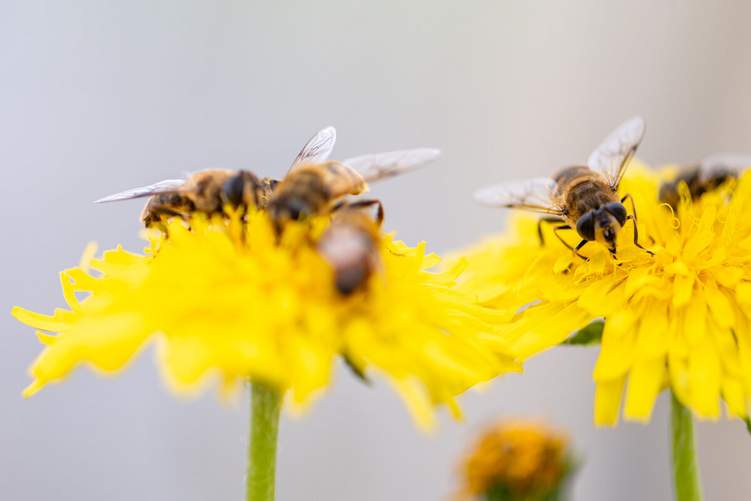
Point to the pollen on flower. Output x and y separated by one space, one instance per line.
680 319
516 460
229 298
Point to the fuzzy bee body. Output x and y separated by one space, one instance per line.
582 198
591 206
581 190
312 188
706 176
208 192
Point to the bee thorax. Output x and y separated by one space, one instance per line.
241 189
300 196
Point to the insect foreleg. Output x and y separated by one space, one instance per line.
364 204
628 196
578 248
546 220
636 236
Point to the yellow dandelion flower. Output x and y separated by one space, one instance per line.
227 299
679 319
516 461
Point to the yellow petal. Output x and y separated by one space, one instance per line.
644 384
720 306
652 335
618 348
608 401
417 402
735 397
705 375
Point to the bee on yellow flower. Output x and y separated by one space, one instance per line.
241 294
680 319
250 279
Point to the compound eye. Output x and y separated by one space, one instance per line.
618 211
585 226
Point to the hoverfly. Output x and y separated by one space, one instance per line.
313 185
582 197
707 175
210 190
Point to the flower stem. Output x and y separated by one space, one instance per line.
685 469
264 427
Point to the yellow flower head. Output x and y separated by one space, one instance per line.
678 319
230 299
516 460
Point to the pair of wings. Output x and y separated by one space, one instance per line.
609 159
318 149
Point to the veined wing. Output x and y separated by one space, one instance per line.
535 195
377 166
166 186
613 155
317 149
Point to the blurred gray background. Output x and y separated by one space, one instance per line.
98 96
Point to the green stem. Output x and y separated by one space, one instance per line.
264 427
685 469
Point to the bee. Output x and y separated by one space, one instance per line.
707 175
351 245
210 190
582 197
317 188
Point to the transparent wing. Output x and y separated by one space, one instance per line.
168 185
379 166
534 195
725 162
613 155
317 149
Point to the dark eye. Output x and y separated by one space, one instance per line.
585 226
618 211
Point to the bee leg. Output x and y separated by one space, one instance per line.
559 228
364 204
546 220
158 216
628 196
337 206
578 248
568 246
636 236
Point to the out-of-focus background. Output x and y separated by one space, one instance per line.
98 96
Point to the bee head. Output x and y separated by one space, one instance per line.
608 220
